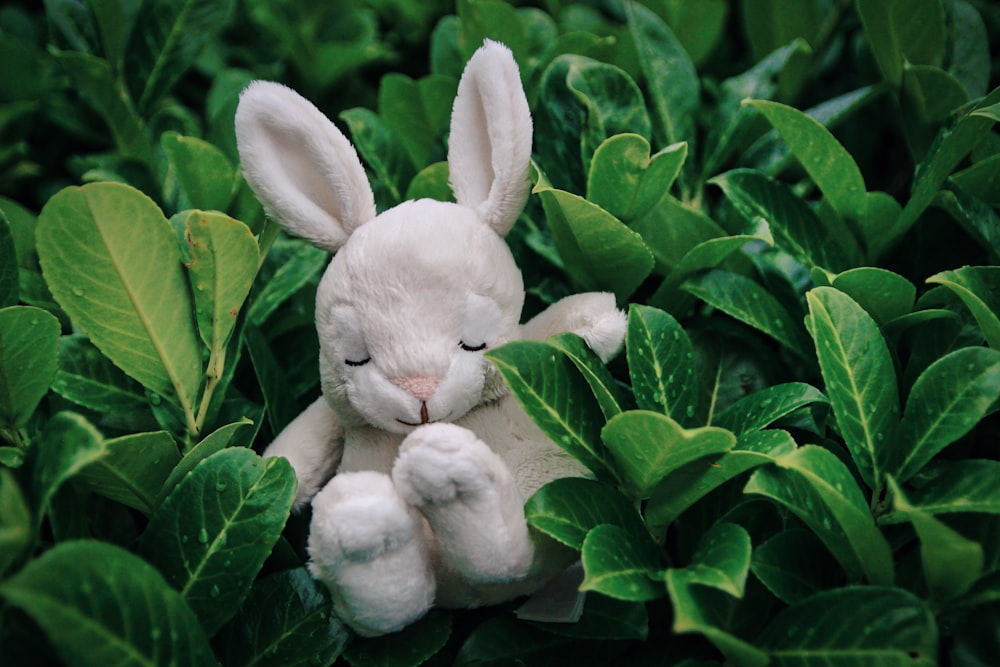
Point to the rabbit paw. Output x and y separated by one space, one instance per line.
359 517
440 463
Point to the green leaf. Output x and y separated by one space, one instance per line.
661 364
214 442
797 229
211 535
206 177
749 302
706 610
94 78
899 31
9 287
977 287
945 403
224 259
88 378
416 112
100 605
706 255
278 395
132 469
647 446
883 294
826 161
286 621
671 229
382 153
859 376
303 263
15 521
951 145
166 38
722 559
431 182
858 625
688 484
412 645
818 488
625 181
609 393
950 487
762 408
567 509
930 93
981 179
951 563
29 356
670 75
501 641
550 389
620 564
127 291
600 253
794 565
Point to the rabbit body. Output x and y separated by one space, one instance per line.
415 459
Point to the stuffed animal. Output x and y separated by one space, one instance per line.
415 458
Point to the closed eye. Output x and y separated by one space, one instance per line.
357 363
471 348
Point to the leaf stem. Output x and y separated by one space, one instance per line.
216 365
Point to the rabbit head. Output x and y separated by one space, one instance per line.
414 295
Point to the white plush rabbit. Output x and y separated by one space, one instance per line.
433 458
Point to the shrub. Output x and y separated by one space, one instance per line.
793 460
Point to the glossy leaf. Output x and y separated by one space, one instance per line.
722 559
224 259
99 604
621 564
826 161
165 41
604 619
951 562
126 291
661 364
210 536
303 263
950 487
762 408
501 641
286 621
68 445
206 177
609 393
866 625
600 253
683 487
647 446
88 378
749 302
625 181
410 646
705 610
132 469
9 287
859 376
930 93
945 403
567 509
672 80
214 442
977 287
672 229
817 487
796 228
883 294
550 389
15 521
29 348
416 112
794 565
899 31
381 151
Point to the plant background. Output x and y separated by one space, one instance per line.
795 458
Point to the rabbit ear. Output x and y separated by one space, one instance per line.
489 149
302 168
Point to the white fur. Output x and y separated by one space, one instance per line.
433 458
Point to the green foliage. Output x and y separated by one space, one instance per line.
793 460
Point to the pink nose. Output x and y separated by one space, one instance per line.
421 387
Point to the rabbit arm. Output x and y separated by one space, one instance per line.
314 444
593 316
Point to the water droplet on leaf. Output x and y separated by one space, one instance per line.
203 536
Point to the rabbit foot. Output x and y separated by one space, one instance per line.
366 545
